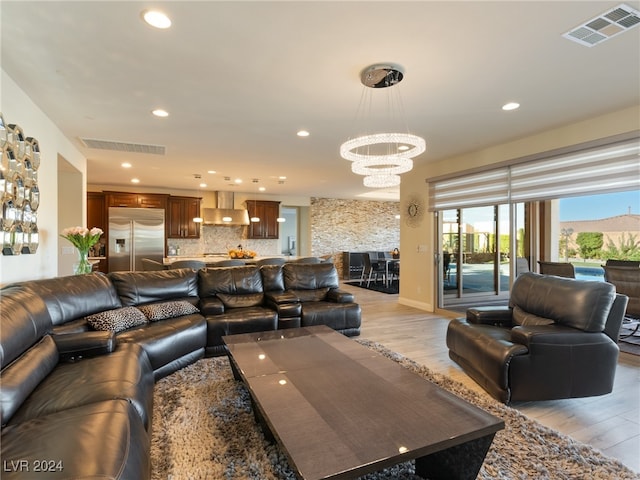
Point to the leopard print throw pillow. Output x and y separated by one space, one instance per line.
117 320
161 311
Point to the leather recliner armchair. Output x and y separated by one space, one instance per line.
233 301
316 287
556 339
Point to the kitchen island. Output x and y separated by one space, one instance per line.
212 259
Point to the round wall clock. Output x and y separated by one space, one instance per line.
413 210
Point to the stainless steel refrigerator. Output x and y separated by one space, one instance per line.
134 234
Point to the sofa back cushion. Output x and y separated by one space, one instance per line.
310 276
272 278
24 374
584 305
138 288
76 296
241 300
25 320
522 318
27 352
230 281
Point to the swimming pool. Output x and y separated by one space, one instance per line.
595 274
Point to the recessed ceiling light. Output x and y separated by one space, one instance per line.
202 185
303 133
158 112
262 189
125 165
282 177
211 171
510 106
403 147
238 180
135 180
156 19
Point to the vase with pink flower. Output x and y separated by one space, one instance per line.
83 239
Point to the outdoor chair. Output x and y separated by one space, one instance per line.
559 269
627 282
522 266
446 266
622 263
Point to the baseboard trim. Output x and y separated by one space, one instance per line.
415 304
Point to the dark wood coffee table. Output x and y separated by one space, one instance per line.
341 410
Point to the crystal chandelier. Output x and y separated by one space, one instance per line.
382 157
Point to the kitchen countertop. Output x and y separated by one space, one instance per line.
212 259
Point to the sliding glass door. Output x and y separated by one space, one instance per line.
475 253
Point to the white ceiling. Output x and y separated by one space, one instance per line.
240 78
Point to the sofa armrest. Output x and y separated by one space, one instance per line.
279 298
500 316
74 326
551 336
288 307
340 296
72 346
211 306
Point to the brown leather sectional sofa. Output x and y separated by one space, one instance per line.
76 402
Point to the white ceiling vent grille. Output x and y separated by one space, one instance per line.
605 26
123 146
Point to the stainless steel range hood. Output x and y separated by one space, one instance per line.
225 213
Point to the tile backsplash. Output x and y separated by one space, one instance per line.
219 239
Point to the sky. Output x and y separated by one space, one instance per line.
596 207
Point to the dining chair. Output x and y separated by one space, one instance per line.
307 260
271 261
371 269
150 265
559 269
232 262
394 271
195 264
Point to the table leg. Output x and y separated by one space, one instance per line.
386 273
460 462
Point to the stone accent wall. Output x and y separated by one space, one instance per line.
353 226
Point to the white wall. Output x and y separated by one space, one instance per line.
418 286
18 108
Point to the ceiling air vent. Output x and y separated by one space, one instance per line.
605 26
123 146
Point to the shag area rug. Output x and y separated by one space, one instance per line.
204 429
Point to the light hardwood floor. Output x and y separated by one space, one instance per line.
610 423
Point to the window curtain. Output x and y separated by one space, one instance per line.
610 168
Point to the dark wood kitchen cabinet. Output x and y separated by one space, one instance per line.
268 212
97 217
180 214
136 200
